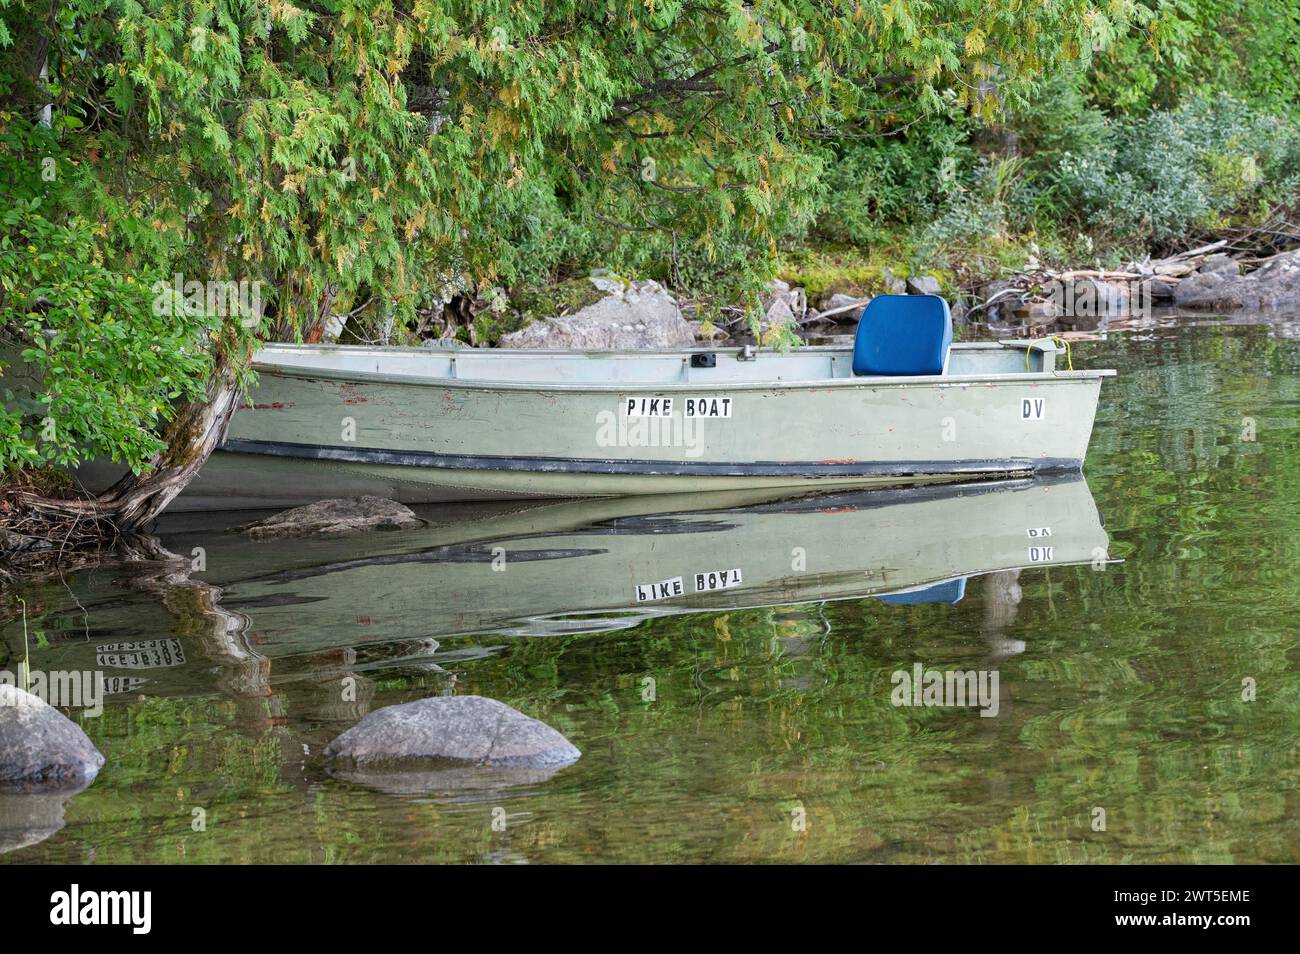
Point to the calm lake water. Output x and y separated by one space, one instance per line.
754 722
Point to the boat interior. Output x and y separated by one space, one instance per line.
706 366
897 336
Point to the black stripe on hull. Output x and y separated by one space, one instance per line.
580 465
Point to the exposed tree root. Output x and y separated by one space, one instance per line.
39 530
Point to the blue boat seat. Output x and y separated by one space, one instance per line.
949 591
903 334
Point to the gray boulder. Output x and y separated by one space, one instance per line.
1156 292
330 517
893 284
446 732
630 316
1221 264
839 300
714 334
924 285
1274 284
778 315
1088 298
41 749
794 299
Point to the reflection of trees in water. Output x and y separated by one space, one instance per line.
1183 398
1127 695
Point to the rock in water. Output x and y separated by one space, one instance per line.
630 316
1274 284
451 729
341 515
41 749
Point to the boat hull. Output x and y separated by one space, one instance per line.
308 433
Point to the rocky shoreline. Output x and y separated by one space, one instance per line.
607 311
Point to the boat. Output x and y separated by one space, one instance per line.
903 405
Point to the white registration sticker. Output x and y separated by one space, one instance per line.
1036 533
664 589
708 406
140 654
716 580
1041 554
648 407
116 684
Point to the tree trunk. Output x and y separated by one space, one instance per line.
191 436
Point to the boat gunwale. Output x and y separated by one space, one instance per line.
302 372
478 382
596 353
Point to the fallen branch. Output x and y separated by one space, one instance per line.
841 309
1101 275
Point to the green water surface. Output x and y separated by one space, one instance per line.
765 734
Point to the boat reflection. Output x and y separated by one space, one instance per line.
309 626
374 601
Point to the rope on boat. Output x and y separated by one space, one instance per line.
1058 342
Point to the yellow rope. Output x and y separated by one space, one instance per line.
1061 345
27 653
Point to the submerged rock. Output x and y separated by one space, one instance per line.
467 782
341 515
449 731
626 315
41 749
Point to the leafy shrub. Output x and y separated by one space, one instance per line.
1154 178
973 230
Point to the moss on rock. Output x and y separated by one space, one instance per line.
552 301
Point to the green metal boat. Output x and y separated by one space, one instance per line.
431 424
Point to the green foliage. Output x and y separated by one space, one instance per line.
973 228
110 367
1181 48
374 154
1054 119
1154 177
874 184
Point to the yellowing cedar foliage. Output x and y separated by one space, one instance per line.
341 152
